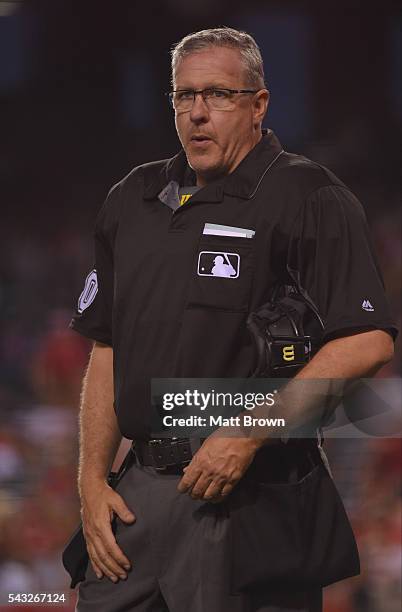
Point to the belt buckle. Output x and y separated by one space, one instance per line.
153 448
154 443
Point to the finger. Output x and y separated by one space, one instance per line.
222 495
119 507
104 542
214 490
228 488
95 558
201 486
96 569
114 549
189 479
108 562
105 563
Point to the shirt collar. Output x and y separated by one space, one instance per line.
242 182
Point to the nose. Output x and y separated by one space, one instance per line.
199 111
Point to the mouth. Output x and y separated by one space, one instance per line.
200 143
200 138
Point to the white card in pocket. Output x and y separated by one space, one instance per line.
213 229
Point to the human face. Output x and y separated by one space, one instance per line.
215 141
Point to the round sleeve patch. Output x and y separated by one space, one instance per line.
89 293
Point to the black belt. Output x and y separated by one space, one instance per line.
164 453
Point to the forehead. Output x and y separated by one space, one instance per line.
213 66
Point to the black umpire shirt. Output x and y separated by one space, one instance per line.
173 285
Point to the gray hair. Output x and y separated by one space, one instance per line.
223 37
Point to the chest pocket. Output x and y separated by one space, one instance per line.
222 274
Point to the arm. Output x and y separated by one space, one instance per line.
99 441
99 433
356 356
338 361
221 461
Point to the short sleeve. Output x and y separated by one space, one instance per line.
332 259
93 315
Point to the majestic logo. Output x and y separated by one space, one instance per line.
288 352
218 263
89 293
366 305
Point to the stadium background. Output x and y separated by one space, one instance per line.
81 103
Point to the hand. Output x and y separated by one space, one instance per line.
99 503
217 467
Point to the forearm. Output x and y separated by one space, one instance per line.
320 386
99 432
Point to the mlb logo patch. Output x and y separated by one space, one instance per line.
89 293
219 264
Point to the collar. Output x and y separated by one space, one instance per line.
243 182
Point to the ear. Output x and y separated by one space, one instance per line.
260 106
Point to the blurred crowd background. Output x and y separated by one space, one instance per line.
81 103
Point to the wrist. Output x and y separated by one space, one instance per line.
260 442
89 482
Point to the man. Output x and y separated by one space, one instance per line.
155 309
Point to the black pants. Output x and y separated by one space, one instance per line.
180 555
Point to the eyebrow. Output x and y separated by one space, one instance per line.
210 86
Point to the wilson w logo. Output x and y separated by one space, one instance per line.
288 353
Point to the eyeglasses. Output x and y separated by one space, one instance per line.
216 98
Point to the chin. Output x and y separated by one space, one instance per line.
204 166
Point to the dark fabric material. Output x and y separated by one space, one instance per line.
166 319
291 522
181 558
331 256
188 190
75 557
95 321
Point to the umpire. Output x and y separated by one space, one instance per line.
185 249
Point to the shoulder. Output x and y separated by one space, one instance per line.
311 198
141 175
130 187
316 187
305 175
